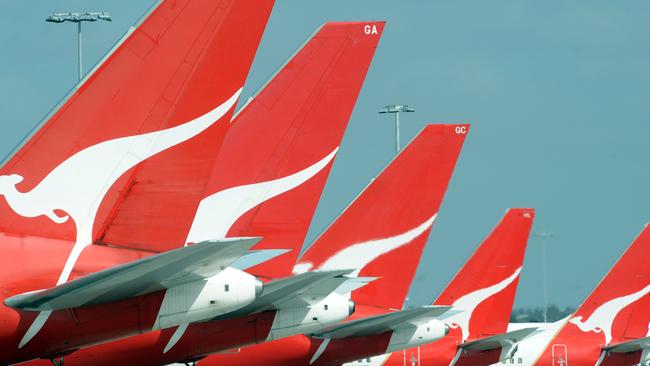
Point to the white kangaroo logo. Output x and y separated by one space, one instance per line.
218 212
357 256
18 201
602 319
78 185
466 304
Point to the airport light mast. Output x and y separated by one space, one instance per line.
78 18
544 236
396 109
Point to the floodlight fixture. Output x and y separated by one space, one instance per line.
79 17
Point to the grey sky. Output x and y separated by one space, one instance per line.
557 93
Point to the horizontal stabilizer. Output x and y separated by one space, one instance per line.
313 289
313 294
630 346
292 289
165 270
382 323
498 341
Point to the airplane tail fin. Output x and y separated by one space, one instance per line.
616 311
151 100
383 231
483 291
628 282
277 154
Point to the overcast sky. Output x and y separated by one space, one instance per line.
557 93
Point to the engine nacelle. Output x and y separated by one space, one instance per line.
409 335
229 290
299 319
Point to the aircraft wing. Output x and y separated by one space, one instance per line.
140 277
298 286
353 283
336 282
498 341
382 323
635 345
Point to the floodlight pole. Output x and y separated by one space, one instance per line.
81 69
397 132
78 18
396 109
544 237
545 279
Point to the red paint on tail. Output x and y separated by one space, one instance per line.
186 58
488 282
384 230
497 259
296 121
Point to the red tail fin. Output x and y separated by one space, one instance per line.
485 287
185 59
282 145
616 310
390 221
